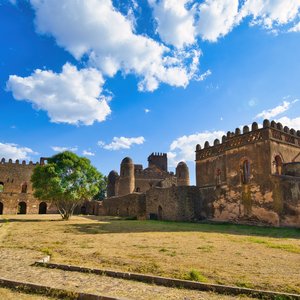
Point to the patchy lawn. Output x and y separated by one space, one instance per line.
245 256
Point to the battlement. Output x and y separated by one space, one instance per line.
158 160
42 161
269 131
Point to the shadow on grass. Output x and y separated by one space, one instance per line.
110 226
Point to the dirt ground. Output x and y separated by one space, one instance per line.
265 258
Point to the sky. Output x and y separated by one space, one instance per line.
108 79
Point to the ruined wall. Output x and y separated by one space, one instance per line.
131 205
17 188
173 203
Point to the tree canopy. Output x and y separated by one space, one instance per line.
67 180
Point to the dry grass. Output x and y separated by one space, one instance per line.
13 295
265 258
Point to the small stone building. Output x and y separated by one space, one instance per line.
16 195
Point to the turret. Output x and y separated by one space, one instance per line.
112 184
182 174
126 181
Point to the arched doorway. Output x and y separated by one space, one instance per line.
22 207
43 208
278 165
160 213
1 208
83 210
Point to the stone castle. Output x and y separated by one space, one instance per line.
133 178
249 177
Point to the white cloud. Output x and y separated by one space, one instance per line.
72 96
175 21
295 28
62 149
273 112
14 151
216 18
88 153
122 143
183 148
271 13
96 30
147 110
291 123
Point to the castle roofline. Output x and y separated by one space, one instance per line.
269 131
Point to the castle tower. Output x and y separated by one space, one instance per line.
112 184
182 174
126 181
158 160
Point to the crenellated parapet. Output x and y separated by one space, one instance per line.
17 162
269 131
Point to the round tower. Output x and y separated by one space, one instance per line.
126 181
112 184
182 174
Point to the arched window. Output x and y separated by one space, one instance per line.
22 208
278 165
24 188
1 208
245 168
1 187
43 208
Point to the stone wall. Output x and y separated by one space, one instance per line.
131 205
173 203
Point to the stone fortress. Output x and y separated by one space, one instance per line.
133 178
249 177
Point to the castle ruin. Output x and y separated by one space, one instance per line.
249 177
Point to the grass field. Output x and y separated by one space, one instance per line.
245 256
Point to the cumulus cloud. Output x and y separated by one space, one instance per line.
273 112
14 151
62 148
72 96
88 153
183 148
96 30
216 18
271 13
175 21
122 143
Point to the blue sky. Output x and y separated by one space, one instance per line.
109 79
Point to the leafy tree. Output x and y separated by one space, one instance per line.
67 180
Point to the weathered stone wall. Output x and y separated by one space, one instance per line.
173 203
131 205
17 188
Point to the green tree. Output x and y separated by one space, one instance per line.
67 180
